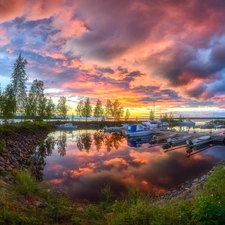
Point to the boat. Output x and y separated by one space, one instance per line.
113 129
134 130
187 122
208 125
151 123
199 141
155 123
180 139
66 126
138 141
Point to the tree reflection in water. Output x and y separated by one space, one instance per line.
37 160
113 140
98 140
84 141
110 141
61 144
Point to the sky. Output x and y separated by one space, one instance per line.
166 55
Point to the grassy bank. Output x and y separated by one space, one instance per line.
29 202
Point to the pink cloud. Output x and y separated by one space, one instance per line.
42 9
3 37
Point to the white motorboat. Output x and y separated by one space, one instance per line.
134 130
199 140
180 139
66 126
151 123
155 123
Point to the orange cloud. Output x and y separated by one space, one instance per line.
9 10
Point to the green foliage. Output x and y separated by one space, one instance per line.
87 109
50 107
26 183
98 110
106 198
92 212
208 209
59 209
133 210
181 118
76 220
171 212
8 102
62 108
18 82
114 109
79 108
152 114
14 217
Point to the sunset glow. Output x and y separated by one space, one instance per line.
170 54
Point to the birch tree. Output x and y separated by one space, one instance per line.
87 109
62 107
98 110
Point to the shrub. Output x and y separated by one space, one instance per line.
26 183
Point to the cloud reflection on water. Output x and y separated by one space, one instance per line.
82 174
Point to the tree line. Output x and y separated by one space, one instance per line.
32 102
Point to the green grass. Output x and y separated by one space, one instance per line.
30 202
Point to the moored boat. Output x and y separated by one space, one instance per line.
113 129
134 130
138 140
66 126
199 141
155 123
178 139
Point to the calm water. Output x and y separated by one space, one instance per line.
82 162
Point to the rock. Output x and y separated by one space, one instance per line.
1 159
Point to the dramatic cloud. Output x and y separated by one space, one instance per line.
166 51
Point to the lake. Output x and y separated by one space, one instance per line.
82 162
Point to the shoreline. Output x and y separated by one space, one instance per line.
189 188
16 156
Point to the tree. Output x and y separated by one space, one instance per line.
165 117
180 118
35 100
79 108
98 110
8 98
151 114
19 78
171 117
108 108
1 100
87 109
50 108
61 107
127 115
42 106
117 110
